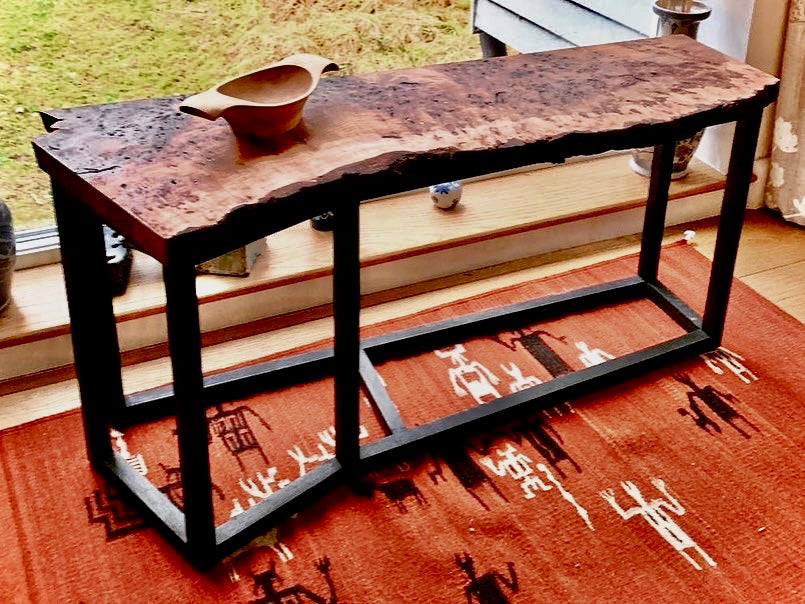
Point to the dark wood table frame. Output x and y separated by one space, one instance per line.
88 192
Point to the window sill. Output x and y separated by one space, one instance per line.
405 243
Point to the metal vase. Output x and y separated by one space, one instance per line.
8 254
680 16
675 17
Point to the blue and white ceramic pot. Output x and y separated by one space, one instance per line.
446 195
675 17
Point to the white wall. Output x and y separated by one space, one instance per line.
748 30
765 51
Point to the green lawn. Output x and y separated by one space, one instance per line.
61 53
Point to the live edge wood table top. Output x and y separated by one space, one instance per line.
183 190
178 185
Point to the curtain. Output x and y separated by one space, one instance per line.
786 185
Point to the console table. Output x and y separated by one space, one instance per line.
184 190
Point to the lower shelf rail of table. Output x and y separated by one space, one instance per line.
401 440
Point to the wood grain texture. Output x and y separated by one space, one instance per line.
178 185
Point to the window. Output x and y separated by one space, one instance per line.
536 25
47 63
62 54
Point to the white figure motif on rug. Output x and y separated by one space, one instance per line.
592 356
518 466
257 491
135 461
519 381
262 486
469 377
654 513
325 446
722 358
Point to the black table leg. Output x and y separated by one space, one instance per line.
662 165
184 338
346 315
92 321
730 223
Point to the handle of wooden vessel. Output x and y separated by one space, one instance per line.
313 63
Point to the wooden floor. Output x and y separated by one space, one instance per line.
771 260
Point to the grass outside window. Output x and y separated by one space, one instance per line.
62 53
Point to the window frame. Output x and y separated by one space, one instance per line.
37 247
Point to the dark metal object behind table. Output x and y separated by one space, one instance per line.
8 254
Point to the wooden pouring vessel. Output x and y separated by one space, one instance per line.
263 103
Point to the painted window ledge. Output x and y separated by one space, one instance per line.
405 240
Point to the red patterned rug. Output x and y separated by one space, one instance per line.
685 485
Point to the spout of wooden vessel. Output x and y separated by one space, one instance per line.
209 104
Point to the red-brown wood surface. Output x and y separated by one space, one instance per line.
175 183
